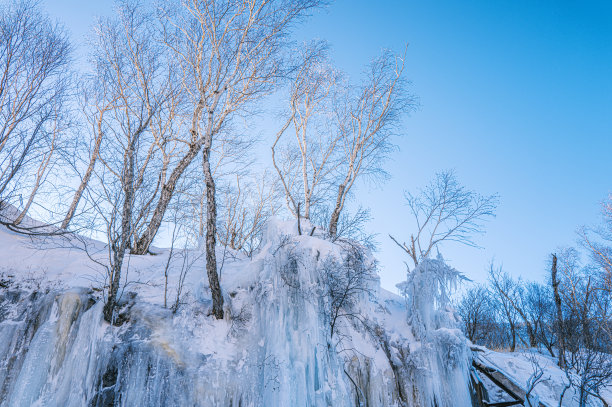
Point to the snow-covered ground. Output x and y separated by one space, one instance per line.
522 364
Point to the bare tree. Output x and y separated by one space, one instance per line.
367 119
352 225
181 259
96 117
514 294
342 132
346 282
131 94
446 211
588 349
539 309
489 312
43 168
598 244
142 67
306 166
232 168
536 377
229 54
247 206
478 315
502 283
559 312
34 58
594 370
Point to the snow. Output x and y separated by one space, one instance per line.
273 348
519 366
442 350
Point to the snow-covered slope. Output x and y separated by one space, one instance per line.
523 364
274 347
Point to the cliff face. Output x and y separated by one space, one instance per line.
306 325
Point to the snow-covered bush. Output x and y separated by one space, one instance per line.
438 362
427 292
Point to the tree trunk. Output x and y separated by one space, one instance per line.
26 208
560 331
533 341
79 192
124 239
583 397
142 245
39 176
335 217
299 226
201 223
211 234
17 166
549 348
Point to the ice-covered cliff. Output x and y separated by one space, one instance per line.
306 324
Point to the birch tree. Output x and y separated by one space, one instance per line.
131 94
229 54
367 119
95 118
246 207
306 164
138 64
34 58
342 132
45 160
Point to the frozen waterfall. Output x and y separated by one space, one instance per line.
274 347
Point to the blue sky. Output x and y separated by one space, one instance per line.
515 95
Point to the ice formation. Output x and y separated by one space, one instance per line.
274 347
441 351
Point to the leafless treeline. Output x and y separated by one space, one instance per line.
158 130
570 316
34 88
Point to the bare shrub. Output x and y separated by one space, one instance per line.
345 282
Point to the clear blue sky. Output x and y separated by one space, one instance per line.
515 95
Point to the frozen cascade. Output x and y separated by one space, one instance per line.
273 349
441 352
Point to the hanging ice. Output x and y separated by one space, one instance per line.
441 357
